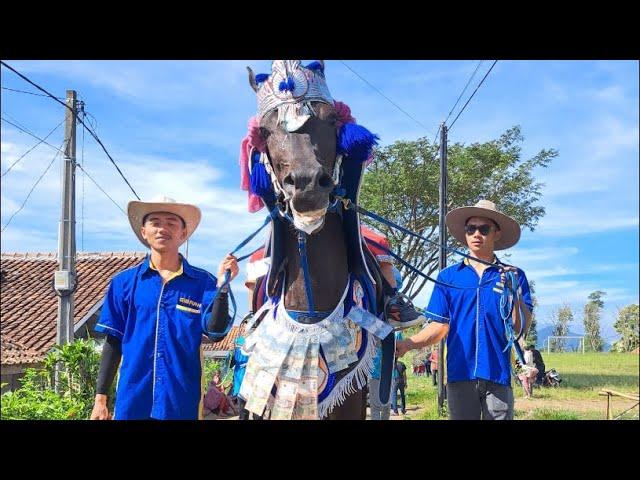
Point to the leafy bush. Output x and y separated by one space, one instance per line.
37 399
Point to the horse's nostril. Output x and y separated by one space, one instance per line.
289 180
325 181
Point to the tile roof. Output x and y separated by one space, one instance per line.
14 353
226 344
29 305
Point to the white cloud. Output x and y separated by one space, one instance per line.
555 92
611 93
16 239
604 156
579 220
161 84
614 139
557 292
521 256
193 181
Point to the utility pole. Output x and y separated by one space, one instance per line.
442 258
65 276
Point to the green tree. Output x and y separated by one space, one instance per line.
401 184
560 320
532 334
591 321
627 326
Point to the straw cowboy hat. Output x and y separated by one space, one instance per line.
457 218
137 210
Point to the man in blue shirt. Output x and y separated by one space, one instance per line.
154 316
478 371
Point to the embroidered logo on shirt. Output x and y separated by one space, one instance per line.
188 305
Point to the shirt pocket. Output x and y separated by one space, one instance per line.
187 327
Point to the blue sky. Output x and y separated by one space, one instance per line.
175 127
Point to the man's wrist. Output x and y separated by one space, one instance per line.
101 398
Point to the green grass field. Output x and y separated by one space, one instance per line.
583 376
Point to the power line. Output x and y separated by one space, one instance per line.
387 98
474 92
463 90
94 125
83 175
101 189
85 114
33 188
31 149
29 133
79 166
13 120
23 91
82 122
455 104
95 136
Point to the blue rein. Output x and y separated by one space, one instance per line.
511 297
418 272
350 205
227 279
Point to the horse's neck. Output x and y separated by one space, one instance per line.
327 259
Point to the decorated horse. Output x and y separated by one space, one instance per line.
321 316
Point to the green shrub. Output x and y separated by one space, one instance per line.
37 399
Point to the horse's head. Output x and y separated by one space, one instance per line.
302 135
298 127
303 161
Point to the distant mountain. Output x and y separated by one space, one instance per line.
571 344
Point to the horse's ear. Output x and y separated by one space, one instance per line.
252 79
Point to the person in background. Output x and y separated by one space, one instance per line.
399 385
528 372
433 365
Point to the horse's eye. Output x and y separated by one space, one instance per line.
264 132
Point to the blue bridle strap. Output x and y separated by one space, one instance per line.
302 249
227 277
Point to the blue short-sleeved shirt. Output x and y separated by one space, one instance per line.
476 330
161 326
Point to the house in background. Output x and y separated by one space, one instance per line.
29 304
29 307
222 348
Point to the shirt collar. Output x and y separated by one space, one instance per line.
184 267
465 262
187 268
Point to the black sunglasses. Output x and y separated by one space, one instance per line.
470 229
